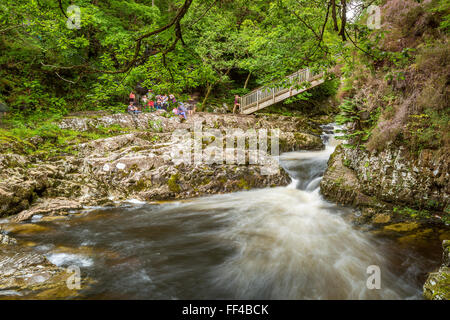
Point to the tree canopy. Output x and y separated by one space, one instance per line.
76 55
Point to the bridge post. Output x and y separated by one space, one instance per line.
240 104
257 100
273 94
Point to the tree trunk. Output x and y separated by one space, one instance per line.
343 19
333 13
208 91
246 80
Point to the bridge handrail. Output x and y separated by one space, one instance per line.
263 93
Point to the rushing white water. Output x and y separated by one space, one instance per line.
273 243
292 246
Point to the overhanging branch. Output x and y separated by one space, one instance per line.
175 21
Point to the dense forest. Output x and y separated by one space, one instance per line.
67 68
167 45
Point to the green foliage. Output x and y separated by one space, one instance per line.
349 113
427 130
38 135
358 123
442 8
412 213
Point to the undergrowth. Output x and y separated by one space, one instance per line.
40 136
399 94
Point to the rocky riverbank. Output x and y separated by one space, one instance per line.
389 186
401 196
141 164
27 274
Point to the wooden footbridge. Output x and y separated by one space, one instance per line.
266 96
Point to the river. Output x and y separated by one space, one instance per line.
273 243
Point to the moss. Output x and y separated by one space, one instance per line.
339 181
139 148
141 185
222 180
412 213
172 183
381 218
205 181
417 237
26 229
437 286
299 136
334 154
243 184
134 167
402 227
45 140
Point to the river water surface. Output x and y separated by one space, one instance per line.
274 243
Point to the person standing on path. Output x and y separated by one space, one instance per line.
236 103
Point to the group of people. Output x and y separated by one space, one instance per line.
151 102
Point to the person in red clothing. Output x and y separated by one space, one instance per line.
132 96
150 104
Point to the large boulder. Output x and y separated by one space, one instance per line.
391 180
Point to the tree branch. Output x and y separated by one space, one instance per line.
175 21
306 25
356 46
203 15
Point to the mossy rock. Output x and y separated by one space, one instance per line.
437 286
27 228
381 218
417 237
402 227
172 183
243 184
